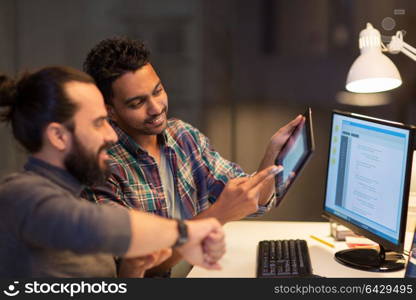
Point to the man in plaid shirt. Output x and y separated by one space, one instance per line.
166 166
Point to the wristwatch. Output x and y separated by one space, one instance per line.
182 234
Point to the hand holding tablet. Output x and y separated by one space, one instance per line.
294 155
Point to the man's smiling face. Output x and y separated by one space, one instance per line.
139 103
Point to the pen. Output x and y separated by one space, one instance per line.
322 241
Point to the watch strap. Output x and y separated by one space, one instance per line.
182 233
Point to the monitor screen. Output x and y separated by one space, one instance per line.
368 177
294 154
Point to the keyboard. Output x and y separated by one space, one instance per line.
283 258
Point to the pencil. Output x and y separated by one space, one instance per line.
322 241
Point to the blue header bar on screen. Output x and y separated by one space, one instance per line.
375 129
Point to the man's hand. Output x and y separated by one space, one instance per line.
240 196
205 244
276 144
281 136
136 267
214 247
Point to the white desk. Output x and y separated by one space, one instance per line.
242 238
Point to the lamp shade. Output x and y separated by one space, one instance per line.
372 71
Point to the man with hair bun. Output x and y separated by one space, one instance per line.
46 229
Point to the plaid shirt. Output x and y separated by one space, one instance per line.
199 172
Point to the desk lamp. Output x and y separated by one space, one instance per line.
373 71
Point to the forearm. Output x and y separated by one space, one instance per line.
222 214
150 233
214 212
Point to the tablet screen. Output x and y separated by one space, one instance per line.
294 154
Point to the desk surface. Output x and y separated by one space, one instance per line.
242 238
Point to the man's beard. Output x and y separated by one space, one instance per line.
85 166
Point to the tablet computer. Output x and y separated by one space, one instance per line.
294 155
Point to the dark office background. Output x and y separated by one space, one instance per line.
237 70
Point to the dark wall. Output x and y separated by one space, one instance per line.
236 70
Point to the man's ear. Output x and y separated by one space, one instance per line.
111 112
58 136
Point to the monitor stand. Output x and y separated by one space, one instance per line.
371 259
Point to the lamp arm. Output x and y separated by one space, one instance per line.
398 45
409 51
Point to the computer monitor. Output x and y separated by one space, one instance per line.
367 187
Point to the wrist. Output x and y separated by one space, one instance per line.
270 155
266 201
214 211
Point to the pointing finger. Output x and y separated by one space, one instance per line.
263 175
